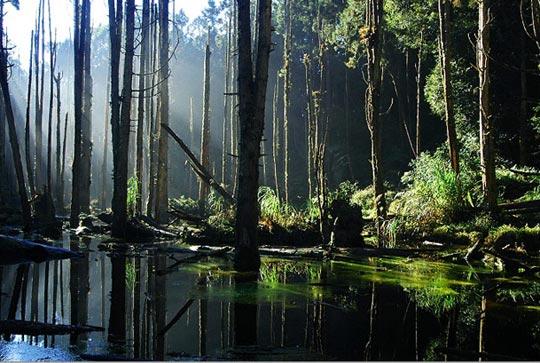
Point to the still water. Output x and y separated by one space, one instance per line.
379 309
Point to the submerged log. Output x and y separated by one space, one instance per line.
19 327
15 250
198 168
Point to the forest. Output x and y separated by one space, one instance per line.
269 180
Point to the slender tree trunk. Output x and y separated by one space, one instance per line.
121 154
162 200
79 49
487 151
86 128
105 161
29 167
52 65
192 180
40 44
224 135
14 141
276 137
310 126
445 55
252 82
418 139
524 132
286 95
61 203
58 163
140 111
375 18
153 122
205 130
3 182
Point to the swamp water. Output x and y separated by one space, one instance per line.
380 308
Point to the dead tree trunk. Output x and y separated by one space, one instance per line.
58 164
140 111
252 82
276 137
418 138
63 171
14 141
104 164
121 144
224 134
445 55
286 95
40 44
162 194
153 122
205 130
28 155
311 142
86 127
79 49
374 71
52 65
487 152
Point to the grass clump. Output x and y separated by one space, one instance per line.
518 237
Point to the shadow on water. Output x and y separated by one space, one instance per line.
380 309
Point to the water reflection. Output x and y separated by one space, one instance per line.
383 309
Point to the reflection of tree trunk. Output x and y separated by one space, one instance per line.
137 309
370 345
416 348
203 322
160 296
79 287
117 317
23 293
46 293
283 313
451 331
15 296
35 293
245 320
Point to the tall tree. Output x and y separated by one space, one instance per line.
374 19
162 197
252 82
143 60
287 49
205 129
86 127
52 65
58 191
28 154
487 151
78 86
445 55
14 141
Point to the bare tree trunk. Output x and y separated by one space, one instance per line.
121 156
375 17
58 192
224 134
192 180
252 82
62 173
40 45
52 65
524 130
86 128
487 152
3 181
104 164
140 110
205 130
311 142
286 95
276 137
162 201
29 167
445 7
14 141
234 109
79 49
153 123
418 140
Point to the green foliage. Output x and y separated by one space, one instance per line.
434 195
465 103
527 237
130 275
132 193
273 209
185 204
535 119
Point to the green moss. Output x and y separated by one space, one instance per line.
527 237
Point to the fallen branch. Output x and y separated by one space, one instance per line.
198 168
19 327
197 255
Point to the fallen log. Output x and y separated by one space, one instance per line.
197 254
198 168
32 328
531 206
16 250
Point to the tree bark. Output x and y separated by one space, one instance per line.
140 110
286 95
252 82
104 164
14 141
205 130
162 201
445 55
375 18
79 50
86 127
276 137
29 166
418 139
52 65
487 151
58 163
